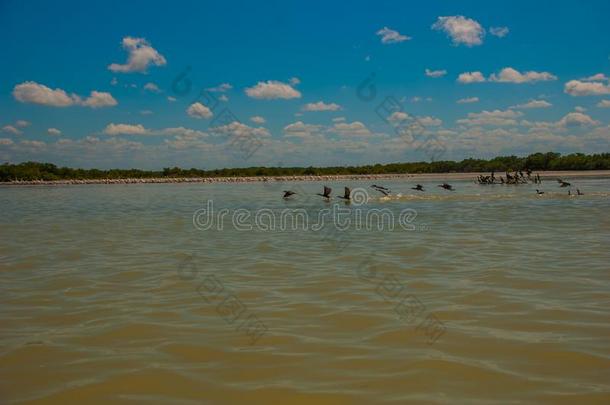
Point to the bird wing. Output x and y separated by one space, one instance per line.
347 192
327 191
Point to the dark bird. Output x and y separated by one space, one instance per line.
383 190
578 192
563 183
539 192
418 187
346 195
446 186
569 192
327 191
288 193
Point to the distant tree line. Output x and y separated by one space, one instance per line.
537 161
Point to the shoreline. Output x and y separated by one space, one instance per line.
410 176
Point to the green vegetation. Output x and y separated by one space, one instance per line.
537 161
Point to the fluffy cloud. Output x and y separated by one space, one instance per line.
141 56
499 32
239 130
152 88
435 73
10 129
429 121
272 89
22 123
493 118
533 104
6 142
604 104
462 30
257 119
510 75
468 100
398 116
125 129
32 92
171 99
599 77
586 88
99 99
576 119
199 111
321 106
471 77
53 131
389 36
355 128
301 130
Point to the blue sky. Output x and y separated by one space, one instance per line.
531 77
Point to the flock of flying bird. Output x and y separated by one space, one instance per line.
347 191
516 178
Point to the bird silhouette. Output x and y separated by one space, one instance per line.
446 186
563 183
418 187
326 194
288 193
539 192
346 196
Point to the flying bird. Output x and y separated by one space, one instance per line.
539 192
326 194
382 190
346 196
563 183
418 187
288 193
446 186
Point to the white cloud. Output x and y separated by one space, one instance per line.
468 100
199 111
339 119
582 88
53 131
471 77
22 123
223 97
6 141
257 119
510 75
355 128
389 36
494 118
499 32
435 73
239 130
604 104
272 89
152 87
301 130
576 119
171 99
580 109
141 56
533 104
32 92
11 130
99 99
599 77
221 88
125 129
429 121
321 106
462 30
398 116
